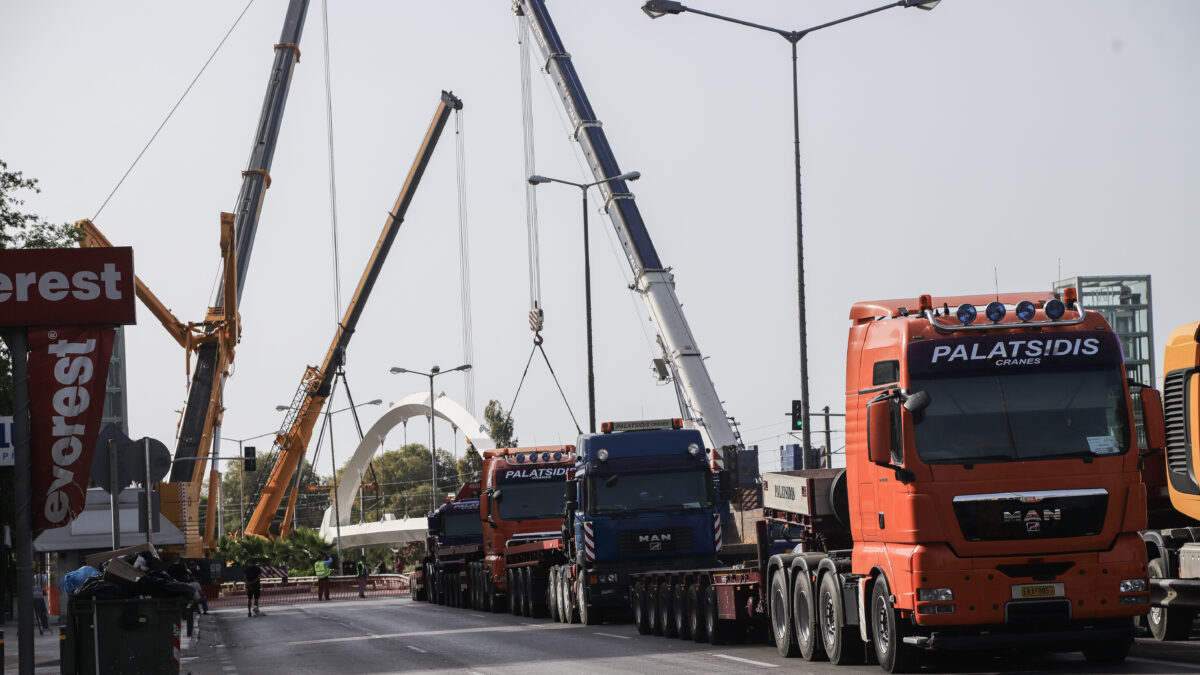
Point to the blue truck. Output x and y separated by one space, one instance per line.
454 540
642 497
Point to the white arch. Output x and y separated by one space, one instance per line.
413 405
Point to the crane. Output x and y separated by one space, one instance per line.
652 280
317 382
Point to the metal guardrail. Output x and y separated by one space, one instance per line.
298 590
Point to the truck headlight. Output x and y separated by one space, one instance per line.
1134 585
937 594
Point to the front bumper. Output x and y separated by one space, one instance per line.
1068 639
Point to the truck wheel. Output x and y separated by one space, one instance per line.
552 593
588 616
717 628
887 632
526 598
564 592
695 607
804 622
514 593
682 628
666 610
1167 623
652 615
1107 652
637 598
781 623
842 643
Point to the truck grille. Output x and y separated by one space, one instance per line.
1178 445
1031 515
649 542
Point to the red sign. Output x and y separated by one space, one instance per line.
68 369
67 286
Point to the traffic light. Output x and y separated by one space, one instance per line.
251 462
797 415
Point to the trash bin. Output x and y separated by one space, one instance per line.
126 636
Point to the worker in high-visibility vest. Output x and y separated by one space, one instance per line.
323 569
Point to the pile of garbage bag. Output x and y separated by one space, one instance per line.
129 573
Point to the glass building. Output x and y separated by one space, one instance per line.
115 398
1125 303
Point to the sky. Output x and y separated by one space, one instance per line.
988 143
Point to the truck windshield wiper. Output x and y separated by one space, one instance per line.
974 460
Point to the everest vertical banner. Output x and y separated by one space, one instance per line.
68 370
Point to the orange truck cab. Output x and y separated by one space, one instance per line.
992 476
521 508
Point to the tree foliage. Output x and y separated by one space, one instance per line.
499 424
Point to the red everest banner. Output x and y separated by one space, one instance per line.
68 368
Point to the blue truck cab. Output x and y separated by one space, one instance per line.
455 538
642 498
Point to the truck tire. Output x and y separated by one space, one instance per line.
1111 652
568 598
552 593
637 598
680 604
887 632
526 592
804 618
1167 623
718 629
779 604
842 644
514 593
666 611
588 616
696 614
537 594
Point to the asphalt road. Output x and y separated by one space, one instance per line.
396 635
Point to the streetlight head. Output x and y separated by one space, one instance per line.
375 402
464 367
396 371
926 5
282 408
656 8
632 175
435 370
538 180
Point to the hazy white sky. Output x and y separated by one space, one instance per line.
937 147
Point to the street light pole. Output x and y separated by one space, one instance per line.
433 372
587 279
658 8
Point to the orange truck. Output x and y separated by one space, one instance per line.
521 509
991 498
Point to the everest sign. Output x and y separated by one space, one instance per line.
67 301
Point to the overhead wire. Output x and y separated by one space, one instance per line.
464 257
531 220
173 109
337 271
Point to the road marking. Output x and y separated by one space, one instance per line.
619 637
481 616
417 649
1161 662
741 660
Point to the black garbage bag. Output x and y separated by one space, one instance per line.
159 584
98 587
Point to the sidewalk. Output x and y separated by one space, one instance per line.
46 646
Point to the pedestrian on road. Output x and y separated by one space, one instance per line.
381 568
197 593
323 568
362 578
39 602
253 574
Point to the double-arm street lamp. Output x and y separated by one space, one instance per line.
433 372
587 278
657 8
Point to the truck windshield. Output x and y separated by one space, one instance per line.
465 524
660 491
532 499
1022 415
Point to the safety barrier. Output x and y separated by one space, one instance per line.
304 589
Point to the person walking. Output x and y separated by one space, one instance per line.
39 601
253 575
362 578
323 568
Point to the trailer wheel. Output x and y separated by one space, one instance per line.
717 628
588 616
552 593
804 622
637 599
564 592
842 643
887 632
683 629
1167 623
1108 652
513 593
695 606
781 623
526 598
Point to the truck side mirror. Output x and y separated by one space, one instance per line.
572 506
917 401
1152 419
497 494
879 431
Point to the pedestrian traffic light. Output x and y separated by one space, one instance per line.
251 462
797 415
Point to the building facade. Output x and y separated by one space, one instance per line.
1125 303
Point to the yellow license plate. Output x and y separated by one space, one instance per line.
1042 591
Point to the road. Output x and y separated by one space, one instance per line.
394 635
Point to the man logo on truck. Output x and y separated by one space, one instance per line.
1033 522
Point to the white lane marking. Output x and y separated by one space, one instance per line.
481 616
619 637
741 660
1160 662
417 649
448 631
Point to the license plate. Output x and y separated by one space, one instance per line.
1025 591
